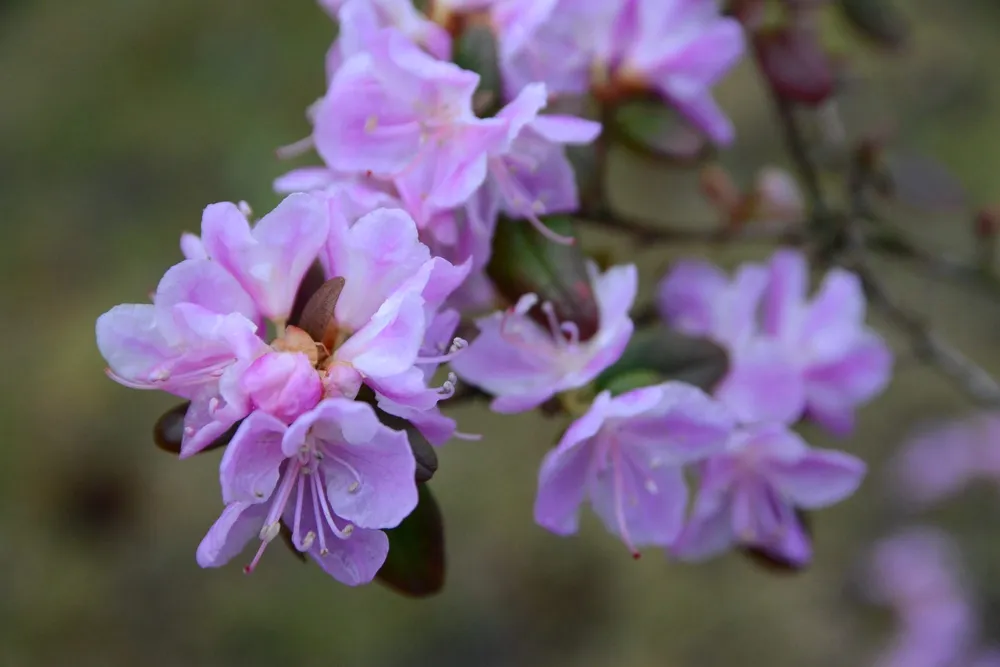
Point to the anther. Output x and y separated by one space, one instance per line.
245 210
270 531
308 540
353 488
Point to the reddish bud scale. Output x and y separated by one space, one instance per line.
795 65
987 222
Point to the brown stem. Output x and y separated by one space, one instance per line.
932 349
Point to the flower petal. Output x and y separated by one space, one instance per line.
562 480
369 468
819 479
238 524
249 469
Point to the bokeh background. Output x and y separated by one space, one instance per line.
121 119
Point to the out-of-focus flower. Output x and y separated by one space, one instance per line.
697 298
680 49
551 41
334 477
749 493
843 362
939 462
359 20
530 173
523 365
626 455
917 572
788 354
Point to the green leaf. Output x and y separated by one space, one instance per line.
525 262
168 432
669 355
652 127
415 565
476 51
423 451
877 20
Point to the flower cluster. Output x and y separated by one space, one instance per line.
306 454
423 170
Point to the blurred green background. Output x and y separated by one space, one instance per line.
121 119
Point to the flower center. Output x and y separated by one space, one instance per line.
302 475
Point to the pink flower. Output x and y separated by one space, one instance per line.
531 174
843 362
681 48
763 383
334 477
200 338
625 455
392 293
551 41
749 493
360 20
399 113
788 355
523 365
917 572
939 462
270 260
194 341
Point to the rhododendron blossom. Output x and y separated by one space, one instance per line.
625 455
789 355
523 365
748 494
334 476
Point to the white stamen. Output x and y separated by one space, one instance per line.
295 149
270 531
308 540
353 488
245 210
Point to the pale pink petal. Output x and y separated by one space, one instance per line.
238 524
249 469
282 384
368 467
819 479
389 343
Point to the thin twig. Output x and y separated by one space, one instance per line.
927 345
796 144
932 349
645 231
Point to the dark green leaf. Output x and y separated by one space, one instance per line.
524 261
416 564
476 51
878 20
652 127
671 355
423 451
169 431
